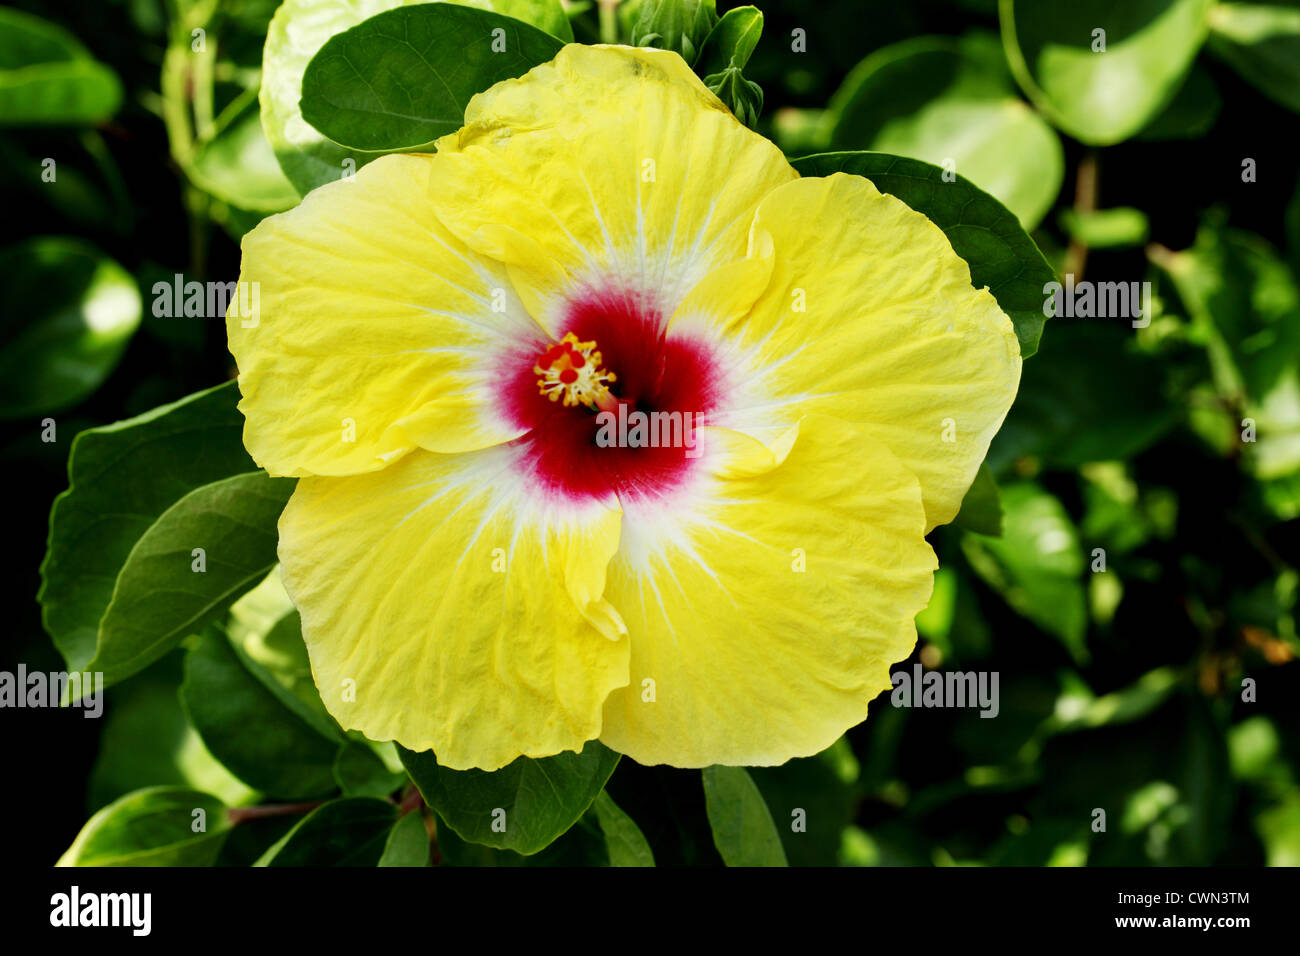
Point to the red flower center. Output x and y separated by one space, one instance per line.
559 393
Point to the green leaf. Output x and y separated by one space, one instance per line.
1118 228
934 623
1164 782
1101 97
265 628
742 826
1081 712
624 840
1037 564
981 509
982 231
299 29
160 597
731 42
47 78
158 826
547 15
122 477
239 167
1089 395
407 844
69 313
147 741
583 844
1245 308
247 728
1279 830
351 831
812 801
403 78
523 806
360 773
1191 113
1262 43
952 103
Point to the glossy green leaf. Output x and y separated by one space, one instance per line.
158 826
147 741
407 844
122 477
403 78
248 729
1118 707
982 231
522 807
547 15
1279 829
624 841
742 825
239 167
47 78
731 42
952 103
1163 781
1191 113
265 628
1117 228
1037 565
811 800
297 32
160 597
583 844
1102 96
360 773
981 509
70 312
1245 306
351 831
1261 41
1089 395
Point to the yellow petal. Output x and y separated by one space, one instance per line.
607 164
377 330
870 316
445 607
738 656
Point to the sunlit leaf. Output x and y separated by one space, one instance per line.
523 806
1101 70
70 312
951 103
742 825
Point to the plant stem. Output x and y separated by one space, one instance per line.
238 815
608 20
1085 201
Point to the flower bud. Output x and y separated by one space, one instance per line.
677 25
743 97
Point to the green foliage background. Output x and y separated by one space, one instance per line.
1174 448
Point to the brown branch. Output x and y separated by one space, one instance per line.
238 815
1085 201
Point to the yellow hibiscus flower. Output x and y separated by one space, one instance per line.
477 573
